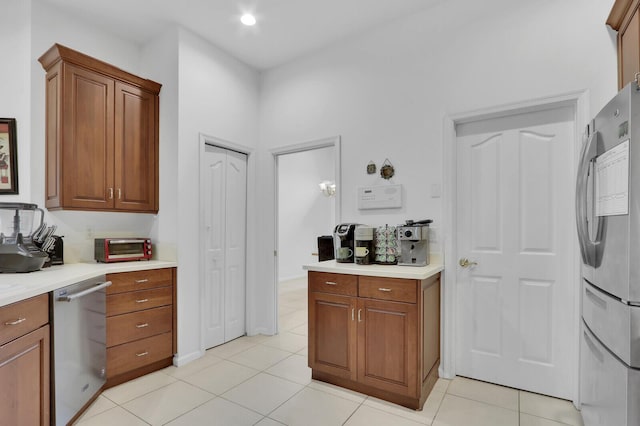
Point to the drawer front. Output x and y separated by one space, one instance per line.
138 325
333 283
127 357
396 289
23 317
139 280
122 303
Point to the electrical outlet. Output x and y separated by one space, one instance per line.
89 233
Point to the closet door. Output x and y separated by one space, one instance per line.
224 198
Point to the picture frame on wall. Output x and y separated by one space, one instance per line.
8 156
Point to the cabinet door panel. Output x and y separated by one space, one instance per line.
135 149
24 379
388 346
88 134
629 50
332 333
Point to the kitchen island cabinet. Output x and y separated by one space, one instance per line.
101 135
24 362
625 19
375 335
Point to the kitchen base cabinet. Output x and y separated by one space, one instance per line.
24 362
379 336
141 318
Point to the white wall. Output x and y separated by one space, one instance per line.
15 101
218 96
304 212
386 92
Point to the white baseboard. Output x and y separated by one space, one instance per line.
181 360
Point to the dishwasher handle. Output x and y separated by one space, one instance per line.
74 296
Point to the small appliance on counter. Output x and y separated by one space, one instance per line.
414 243
386 245
343 242
18 253
109 250
325 248
364 247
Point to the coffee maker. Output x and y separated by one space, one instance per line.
343 242
364 248
414 243
17 225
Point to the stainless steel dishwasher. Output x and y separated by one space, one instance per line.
79 352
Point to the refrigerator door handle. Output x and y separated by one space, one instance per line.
585 213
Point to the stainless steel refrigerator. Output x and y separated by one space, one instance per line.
608 221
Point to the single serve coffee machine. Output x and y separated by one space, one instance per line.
343 239
414 243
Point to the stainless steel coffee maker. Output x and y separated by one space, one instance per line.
414 243
343 242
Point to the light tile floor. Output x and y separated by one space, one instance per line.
265 381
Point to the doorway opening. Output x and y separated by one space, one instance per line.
303 213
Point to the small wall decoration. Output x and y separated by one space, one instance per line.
8 156
371 168
387 171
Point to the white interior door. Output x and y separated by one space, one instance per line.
224 197
515 215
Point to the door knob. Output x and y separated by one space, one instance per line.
465 263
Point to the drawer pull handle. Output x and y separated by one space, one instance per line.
142 300
330 283
142 354
146 324
142 281
353 310
385 289
16 322
359 312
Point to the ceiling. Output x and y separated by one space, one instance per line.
286 29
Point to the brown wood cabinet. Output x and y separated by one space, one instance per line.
24 362
625 19
379 336
101 135
141 323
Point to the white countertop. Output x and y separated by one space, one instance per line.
388 271
16 287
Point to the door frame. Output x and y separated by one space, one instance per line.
578 102
228 145
333 141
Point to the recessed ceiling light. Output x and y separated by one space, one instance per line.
248 19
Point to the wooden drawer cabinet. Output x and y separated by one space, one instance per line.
138 325
139 280
334 283
24 362
101 135
23 317
396 289
141 319
129 357
130 301
383 340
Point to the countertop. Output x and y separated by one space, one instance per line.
16 287
388 271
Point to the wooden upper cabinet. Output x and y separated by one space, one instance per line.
101 135
625 19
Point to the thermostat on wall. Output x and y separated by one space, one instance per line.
380 197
